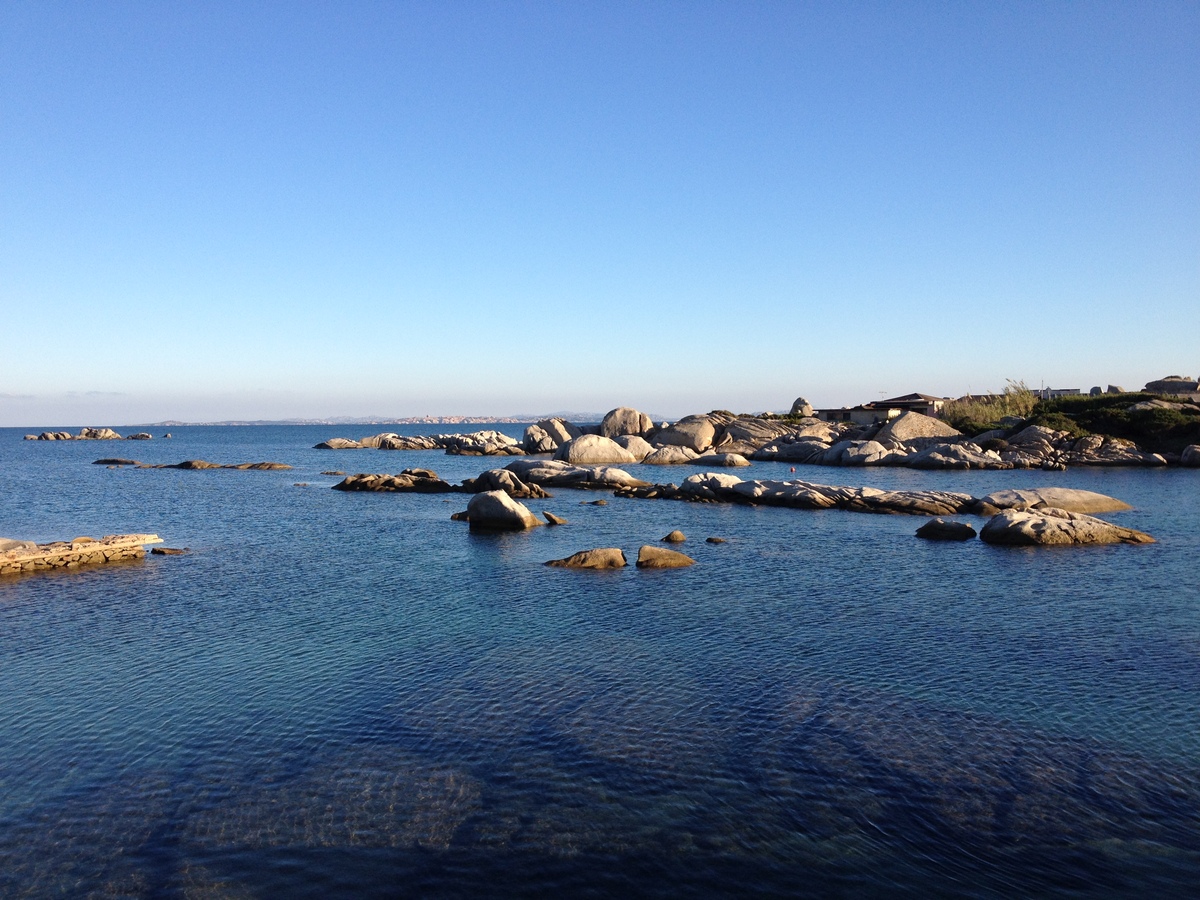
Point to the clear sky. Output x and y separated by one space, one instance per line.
267 210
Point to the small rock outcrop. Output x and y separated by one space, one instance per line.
675 537
410 481
1173 384
944 530
338 444
1048 526
651 557
115 461
496 511
552 519
801 407
599 558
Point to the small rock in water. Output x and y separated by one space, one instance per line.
552 519
675 537
460 516
170 551
333 473
651 557
299 484
593 503
112 461
714 540
599 558
945 530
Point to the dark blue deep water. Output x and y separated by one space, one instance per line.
350 695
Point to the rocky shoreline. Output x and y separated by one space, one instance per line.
722 439
17 557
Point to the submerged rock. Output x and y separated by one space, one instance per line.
1048 526
942 530
599 558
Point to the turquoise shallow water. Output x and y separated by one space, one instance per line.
349 694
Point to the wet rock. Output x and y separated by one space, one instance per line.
651 557
675 537
552 519
115 461
496 511
1047 526
333 472
726 460
942 530
338 444
599 558
170 551
714 540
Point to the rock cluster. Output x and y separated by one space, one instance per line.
479 443
627 436
87 434
25 556
204 464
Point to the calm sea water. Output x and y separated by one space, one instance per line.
349 694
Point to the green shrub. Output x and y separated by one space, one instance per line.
974 415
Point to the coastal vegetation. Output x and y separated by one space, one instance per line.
975 415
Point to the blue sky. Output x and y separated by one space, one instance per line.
242 210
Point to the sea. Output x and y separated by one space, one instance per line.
351 695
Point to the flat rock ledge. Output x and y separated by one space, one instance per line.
198 464
424 481
720 487
17 557
1049 527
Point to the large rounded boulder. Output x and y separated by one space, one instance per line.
624 420
496 511
593 449
1053 527
693 432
